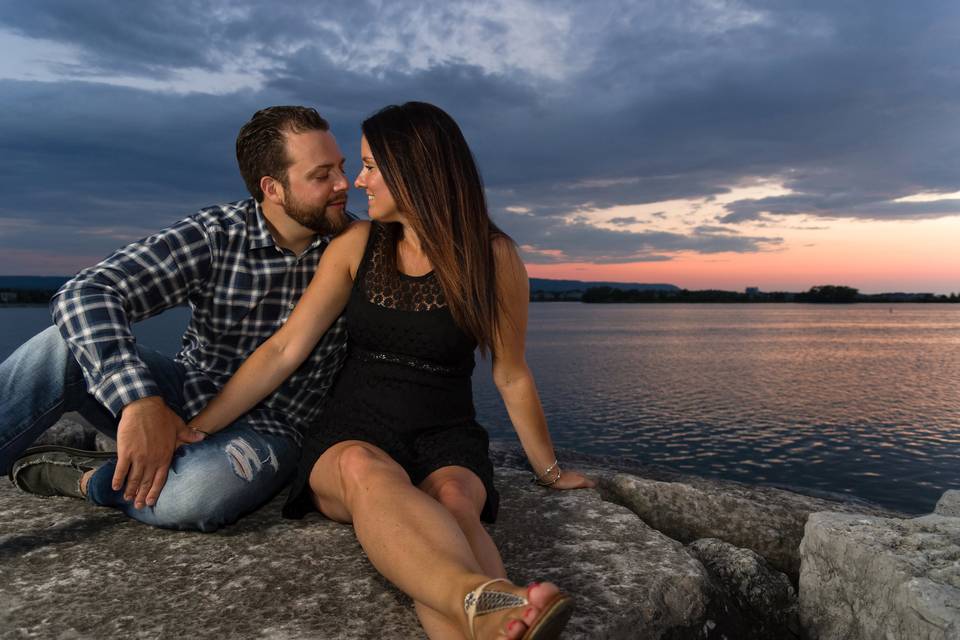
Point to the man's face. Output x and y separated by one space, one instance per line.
315 192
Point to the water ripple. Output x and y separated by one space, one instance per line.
845 399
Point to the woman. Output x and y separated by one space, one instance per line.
397 452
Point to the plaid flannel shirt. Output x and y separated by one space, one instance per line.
240 286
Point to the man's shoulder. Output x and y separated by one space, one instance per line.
229 217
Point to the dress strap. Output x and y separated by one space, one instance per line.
376 231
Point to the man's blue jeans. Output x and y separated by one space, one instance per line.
211 483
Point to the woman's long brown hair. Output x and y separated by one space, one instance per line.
433 177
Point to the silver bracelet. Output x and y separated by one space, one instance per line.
554 481
547 471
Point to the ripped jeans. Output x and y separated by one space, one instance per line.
211 483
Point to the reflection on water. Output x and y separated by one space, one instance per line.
854 399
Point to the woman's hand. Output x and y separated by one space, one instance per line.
573 480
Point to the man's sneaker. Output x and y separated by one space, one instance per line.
52 470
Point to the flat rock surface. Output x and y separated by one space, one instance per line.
767 520
71 570
868 577
949 504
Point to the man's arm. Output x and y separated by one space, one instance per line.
94 312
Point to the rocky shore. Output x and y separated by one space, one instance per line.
648 554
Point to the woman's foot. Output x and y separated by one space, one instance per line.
546 611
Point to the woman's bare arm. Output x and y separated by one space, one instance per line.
511 374
278 357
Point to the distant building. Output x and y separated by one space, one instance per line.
8 296
752 291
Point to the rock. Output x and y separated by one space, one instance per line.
764 597
630 580
104 443
71 431
949 504
868 577
73 570
767 520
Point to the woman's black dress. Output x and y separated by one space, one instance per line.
405 385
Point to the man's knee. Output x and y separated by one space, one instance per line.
45 351
210 487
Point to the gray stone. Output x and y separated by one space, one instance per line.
767 520
866 577
68 569
764 597
630 580
103 442
70 431
949 504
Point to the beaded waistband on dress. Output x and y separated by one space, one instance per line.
409 361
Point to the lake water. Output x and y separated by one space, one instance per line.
859 399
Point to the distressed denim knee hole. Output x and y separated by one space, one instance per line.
246 461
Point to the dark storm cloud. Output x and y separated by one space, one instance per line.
850 105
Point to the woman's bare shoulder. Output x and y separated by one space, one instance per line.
506 259
351 239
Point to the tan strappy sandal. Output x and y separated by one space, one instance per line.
547 626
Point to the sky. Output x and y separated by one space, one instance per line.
702 143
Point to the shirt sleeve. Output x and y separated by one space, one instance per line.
94 311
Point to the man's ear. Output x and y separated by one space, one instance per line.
272 189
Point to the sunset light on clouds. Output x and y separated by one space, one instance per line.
800 251
698 143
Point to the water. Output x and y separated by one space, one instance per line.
848 399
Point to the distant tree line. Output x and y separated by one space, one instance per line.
829 294
26 296
833 294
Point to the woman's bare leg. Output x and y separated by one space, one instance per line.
410 538
462 493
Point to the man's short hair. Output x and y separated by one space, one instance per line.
261 144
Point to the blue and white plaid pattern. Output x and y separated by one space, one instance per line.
240 286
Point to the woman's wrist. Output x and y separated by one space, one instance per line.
200 427
550 475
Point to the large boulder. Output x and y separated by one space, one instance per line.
767 520
73 570
866 577
70 431
764 599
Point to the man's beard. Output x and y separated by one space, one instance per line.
325 220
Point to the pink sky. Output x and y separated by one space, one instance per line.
873 256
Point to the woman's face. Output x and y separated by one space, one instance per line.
382 206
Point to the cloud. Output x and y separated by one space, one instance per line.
555 240
125 114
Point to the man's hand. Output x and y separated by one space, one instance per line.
147 435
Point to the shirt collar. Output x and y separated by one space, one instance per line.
258 234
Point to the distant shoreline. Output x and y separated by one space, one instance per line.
15 291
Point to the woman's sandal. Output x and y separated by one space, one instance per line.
546 626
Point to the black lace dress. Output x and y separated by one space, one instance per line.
405 385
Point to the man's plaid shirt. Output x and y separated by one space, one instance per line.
240 286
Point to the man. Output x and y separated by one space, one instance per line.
241 267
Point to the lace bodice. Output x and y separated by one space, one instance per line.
385 286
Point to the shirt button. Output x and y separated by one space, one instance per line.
291 305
